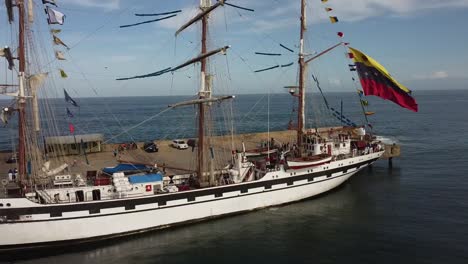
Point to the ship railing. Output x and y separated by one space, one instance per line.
45 196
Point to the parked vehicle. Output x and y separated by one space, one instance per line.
150 147
192 142
179 144
12 158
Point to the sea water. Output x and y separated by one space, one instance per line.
414 212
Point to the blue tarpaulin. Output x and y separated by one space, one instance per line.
145 178
124 167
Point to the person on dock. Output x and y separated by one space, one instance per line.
10 175
15 173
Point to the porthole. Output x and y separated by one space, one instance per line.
1 205
8 204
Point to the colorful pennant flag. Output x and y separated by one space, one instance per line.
340 34
350 55
71 127
59 55
360 92
55 31
333 19
69 113
63 74
352 67
324 1
58 41
52 2
69 99
54 16
328 9
376 80
364 102
369 113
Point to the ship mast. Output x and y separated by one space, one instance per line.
203 93
302 74
21 94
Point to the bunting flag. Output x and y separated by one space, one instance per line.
340 34
54 16
58 41
328 9
69 113
360 92
51 2
55 31
376 80
365 102
71 127
369 113
369 125
63 74
324 1
59 55
350 55
352 67
333 19
68 99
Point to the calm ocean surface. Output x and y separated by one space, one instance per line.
416 212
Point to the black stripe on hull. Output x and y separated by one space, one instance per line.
40 247
161 200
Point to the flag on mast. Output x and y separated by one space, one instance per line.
52 2
63 74
59 55
376 80
69 113
58 41
71 127
69 99
54 16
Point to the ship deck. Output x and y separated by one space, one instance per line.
176 161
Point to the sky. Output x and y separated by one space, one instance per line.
421 42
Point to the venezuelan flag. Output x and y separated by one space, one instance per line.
376 80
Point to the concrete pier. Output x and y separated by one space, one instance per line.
176 161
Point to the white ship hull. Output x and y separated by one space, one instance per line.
46 225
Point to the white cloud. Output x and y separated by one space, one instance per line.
104 4
432 76
362 9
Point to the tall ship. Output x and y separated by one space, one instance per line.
71 210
